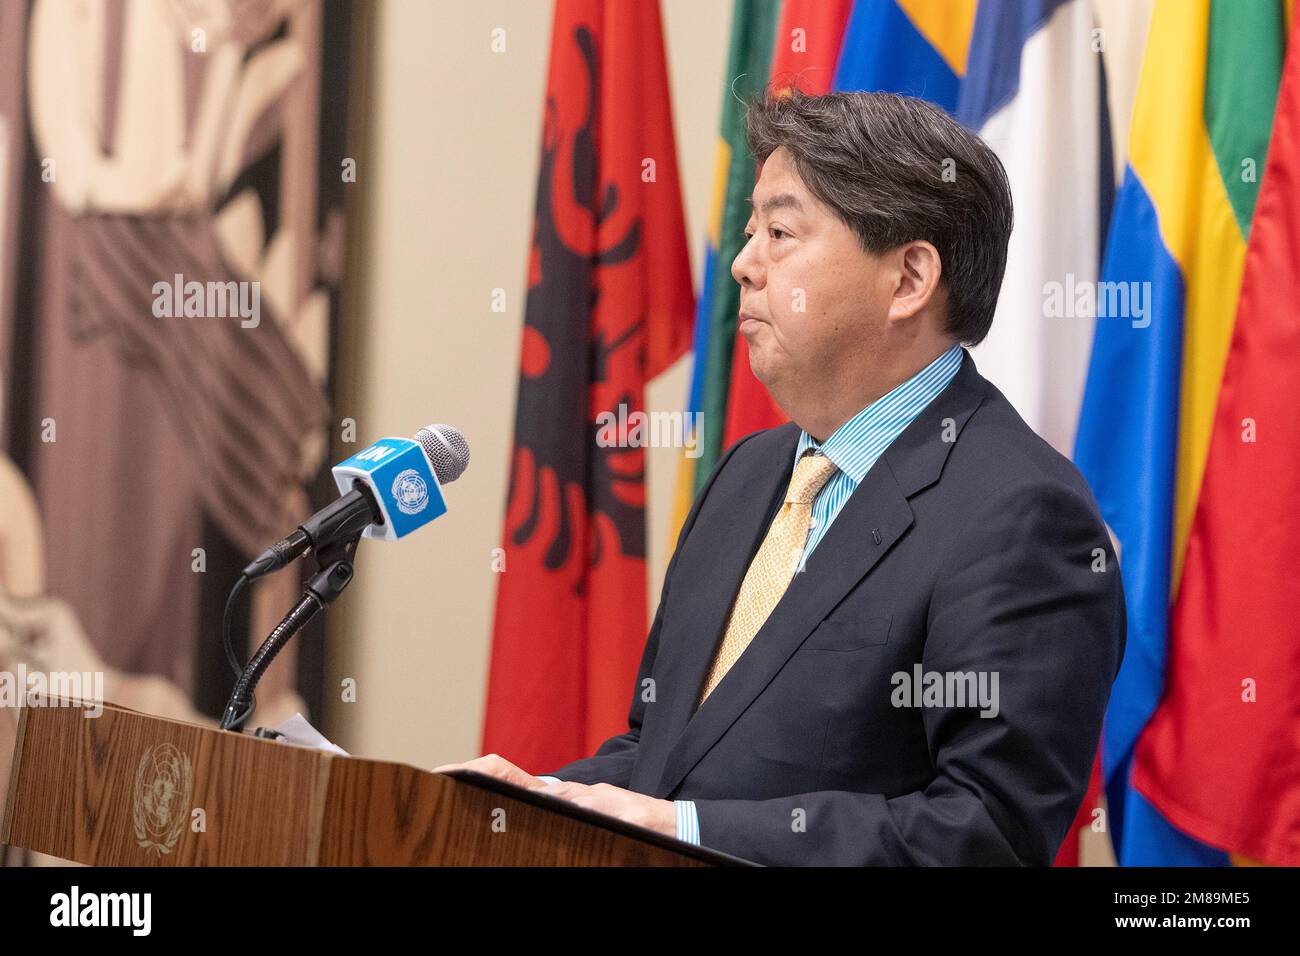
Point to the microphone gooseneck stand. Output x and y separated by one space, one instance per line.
335 574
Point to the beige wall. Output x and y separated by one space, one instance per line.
441 216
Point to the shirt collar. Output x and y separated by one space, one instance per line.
855 445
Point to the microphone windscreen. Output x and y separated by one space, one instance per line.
447 449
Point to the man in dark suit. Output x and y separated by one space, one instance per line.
889 629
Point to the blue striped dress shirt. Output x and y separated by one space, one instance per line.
857 444
854 447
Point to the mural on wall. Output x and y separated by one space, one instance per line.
171 248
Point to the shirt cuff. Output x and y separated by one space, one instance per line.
548 778
688 822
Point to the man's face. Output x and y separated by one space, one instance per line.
811 299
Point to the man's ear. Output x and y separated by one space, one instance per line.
917 278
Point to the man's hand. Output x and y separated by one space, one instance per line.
626 805
496 766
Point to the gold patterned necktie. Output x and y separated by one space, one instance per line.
773 566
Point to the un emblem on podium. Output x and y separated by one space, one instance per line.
164 784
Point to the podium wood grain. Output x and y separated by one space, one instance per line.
112 790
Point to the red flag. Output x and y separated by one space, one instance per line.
807 48
1068 854
1220 757
609 307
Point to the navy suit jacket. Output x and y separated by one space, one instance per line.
970 546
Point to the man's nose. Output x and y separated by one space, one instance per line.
746 268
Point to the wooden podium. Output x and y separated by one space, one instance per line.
130 789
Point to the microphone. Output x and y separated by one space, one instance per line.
387 490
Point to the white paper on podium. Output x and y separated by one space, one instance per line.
298 731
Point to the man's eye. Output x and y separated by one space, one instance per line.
748 235
779 233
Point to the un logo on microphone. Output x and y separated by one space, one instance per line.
410 492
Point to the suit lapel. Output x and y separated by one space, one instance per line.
876 515
709 586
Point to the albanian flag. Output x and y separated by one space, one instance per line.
609 307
